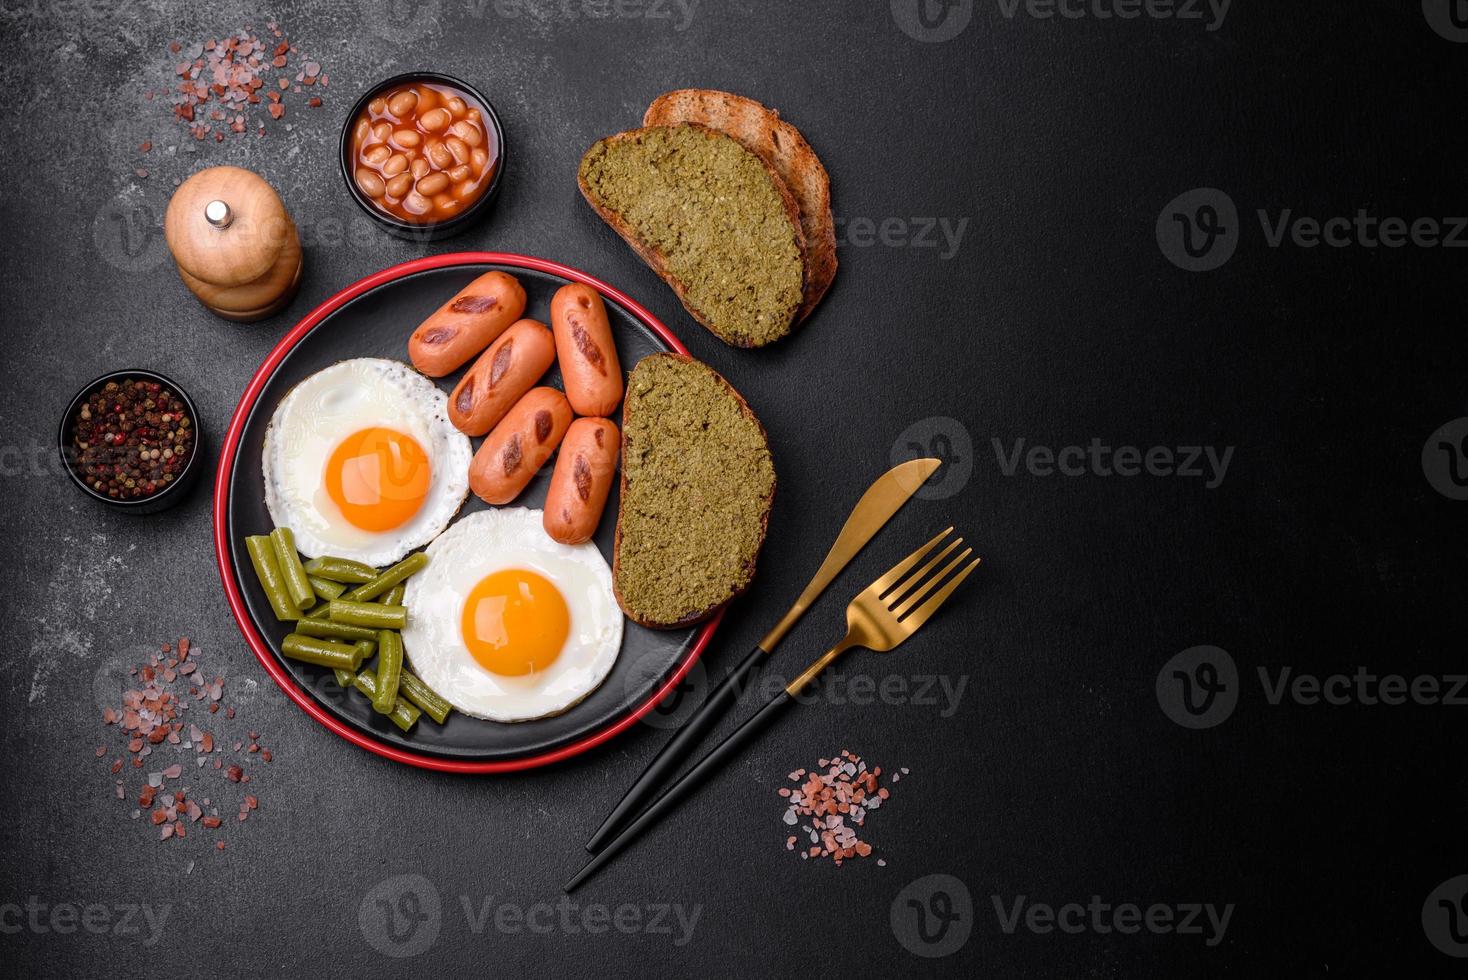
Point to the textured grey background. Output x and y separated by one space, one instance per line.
1055 318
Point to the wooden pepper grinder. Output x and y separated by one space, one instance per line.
236 247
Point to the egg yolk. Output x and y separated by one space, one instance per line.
515 622
378 477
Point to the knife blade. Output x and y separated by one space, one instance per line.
883 499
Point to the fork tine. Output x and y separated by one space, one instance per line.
922 592
884 584
921 614
900 592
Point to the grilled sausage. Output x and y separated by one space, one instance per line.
502 374
582 480
466 324
519 446
589 366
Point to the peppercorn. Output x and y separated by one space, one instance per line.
120 450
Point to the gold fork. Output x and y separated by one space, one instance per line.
887 612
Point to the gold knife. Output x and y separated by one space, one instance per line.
875 508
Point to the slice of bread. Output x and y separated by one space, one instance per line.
697 485
711 218
781 145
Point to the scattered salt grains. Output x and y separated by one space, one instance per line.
231 72
834 801
149 716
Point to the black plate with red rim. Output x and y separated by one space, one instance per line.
373 318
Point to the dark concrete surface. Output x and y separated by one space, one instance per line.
1049 149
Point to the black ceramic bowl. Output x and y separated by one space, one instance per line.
163 499
413 230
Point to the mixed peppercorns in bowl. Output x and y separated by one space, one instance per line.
131 439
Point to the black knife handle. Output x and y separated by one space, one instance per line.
672 755
716 761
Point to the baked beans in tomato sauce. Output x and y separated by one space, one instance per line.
423 151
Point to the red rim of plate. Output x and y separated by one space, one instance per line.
262 650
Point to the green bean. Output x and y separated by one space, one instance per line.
296 582
323 653
335 631
424 697
394 595
398 573
404 715
368 614
325 588
365 649
389 670
362 652
341 570
262 556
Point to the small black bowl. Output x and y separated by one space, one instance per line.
410 230
169 495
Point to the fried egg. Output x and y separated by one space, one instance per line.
507 624
360 462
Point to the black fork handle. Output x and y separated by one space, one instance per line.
716 761
678 748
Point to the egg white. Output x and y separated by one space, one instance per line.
489 541
325 408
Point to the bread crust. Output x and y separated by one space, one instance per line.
657 261
698 615
779 144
